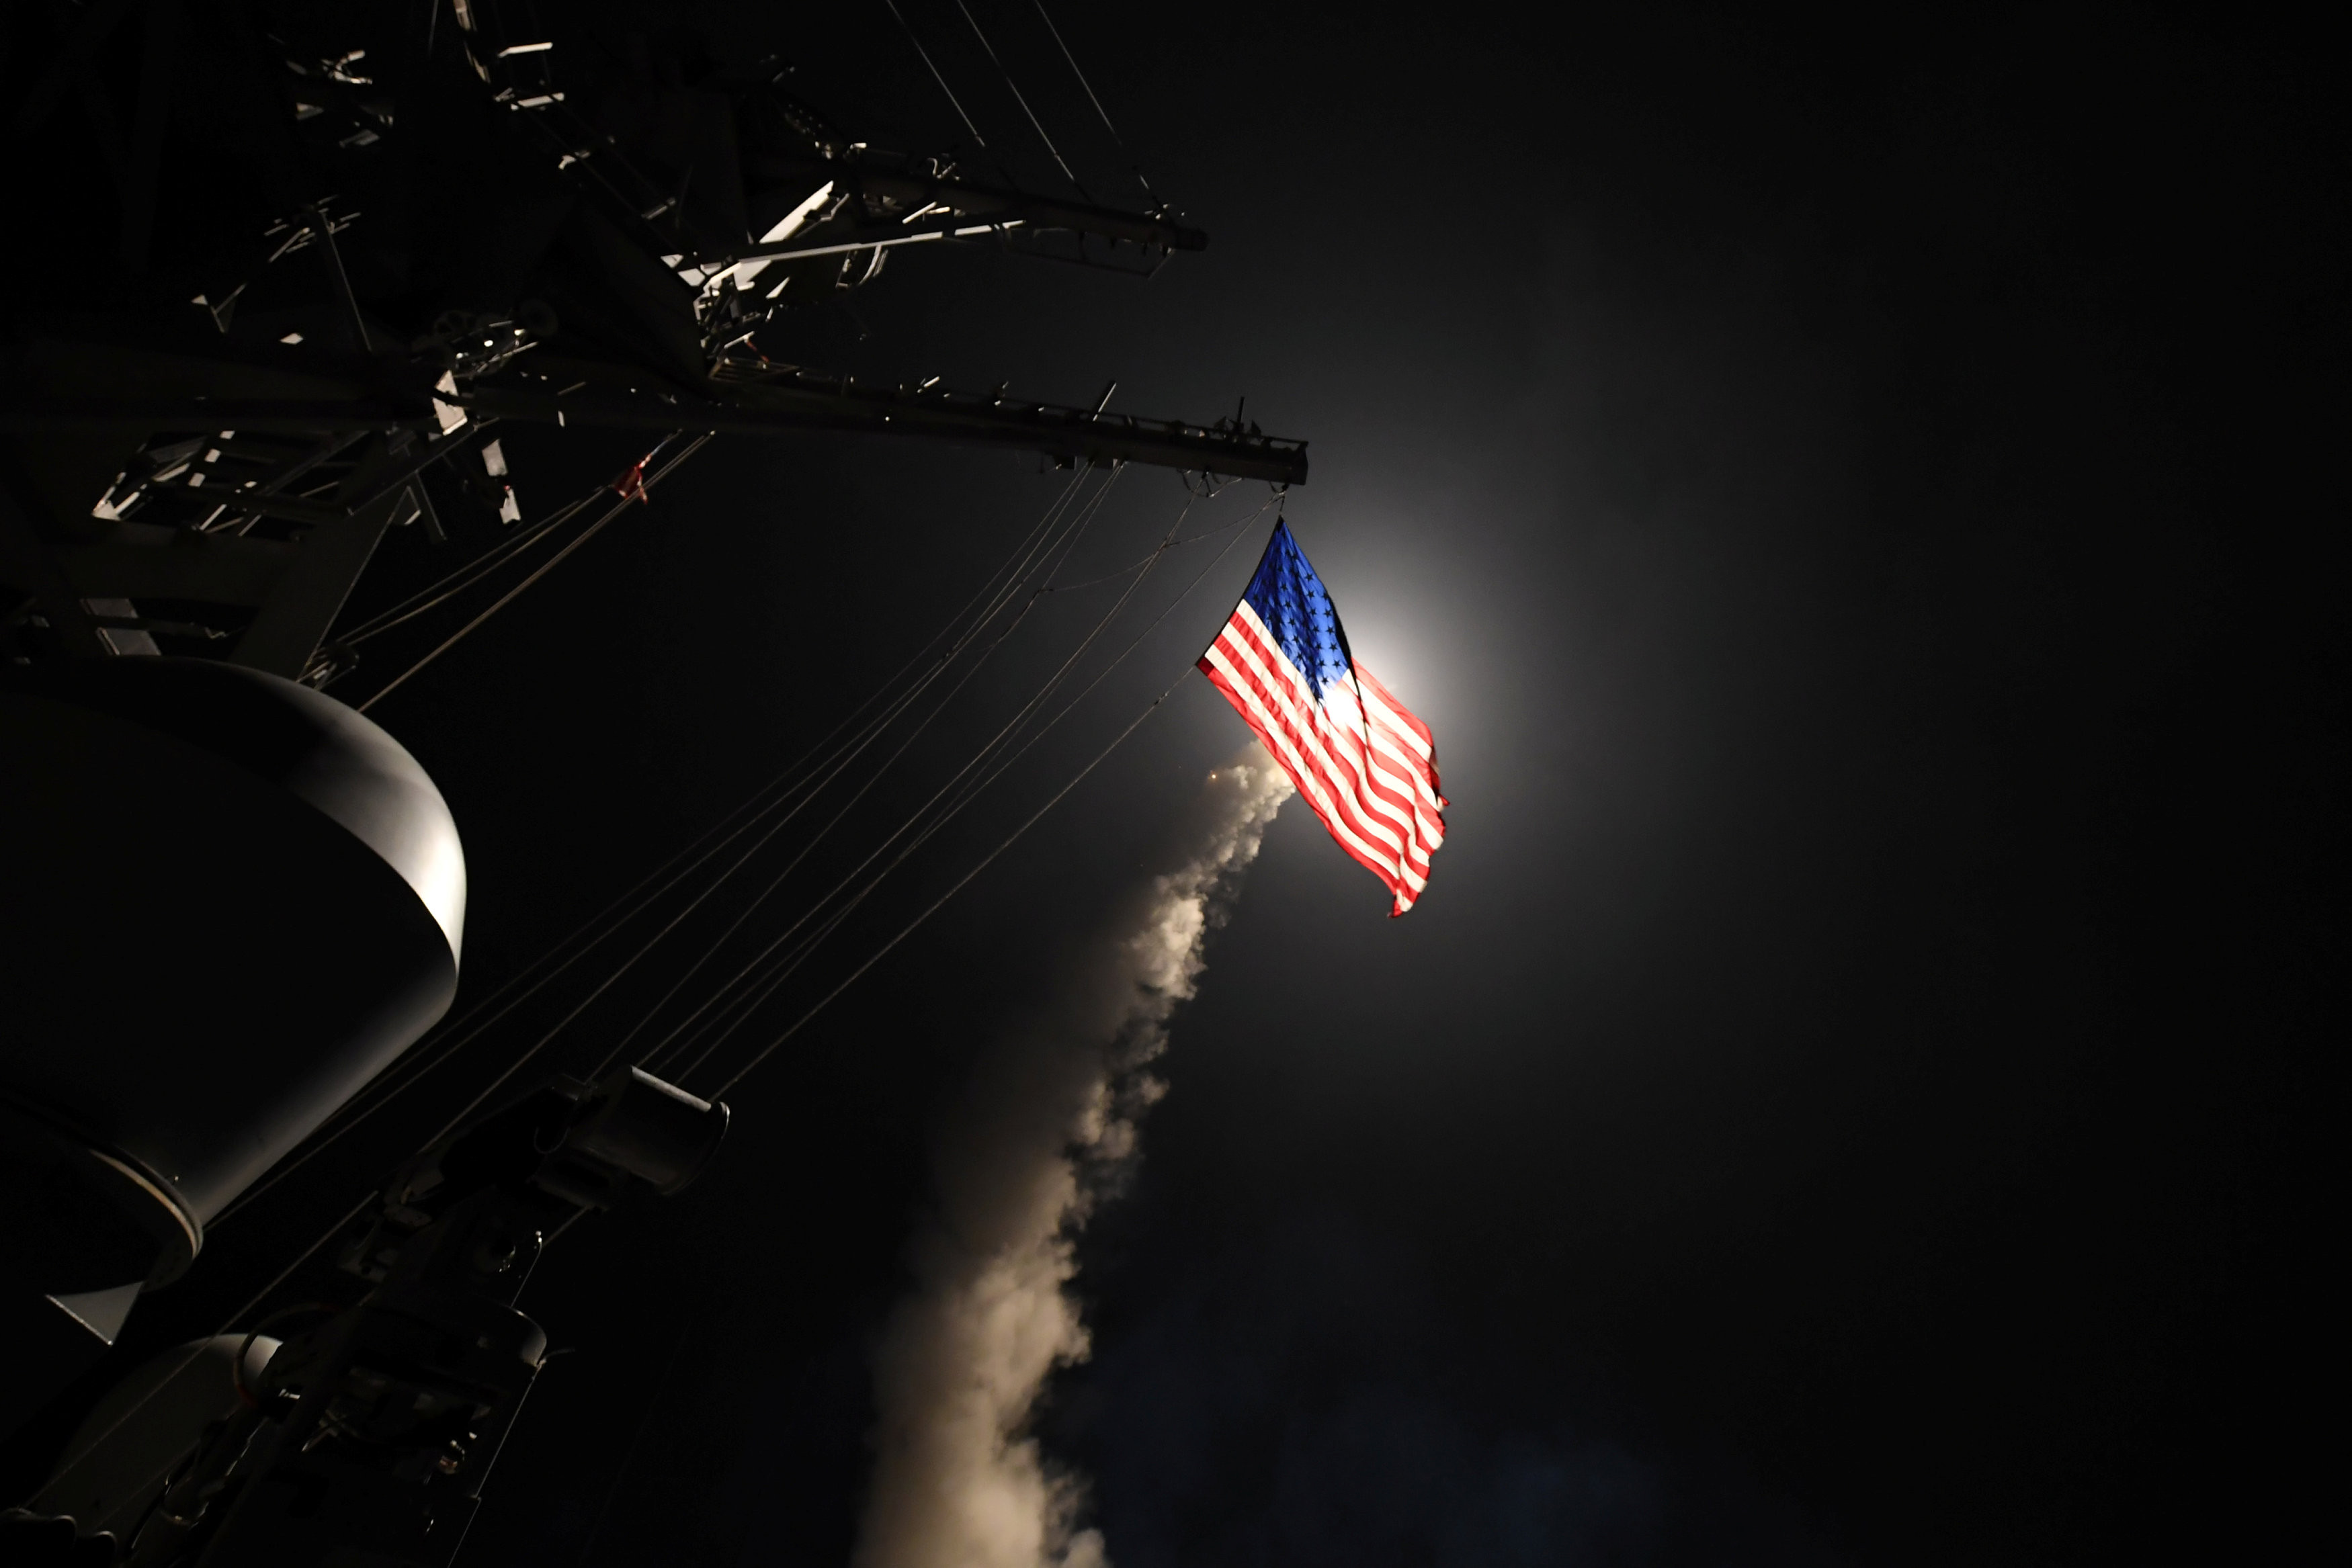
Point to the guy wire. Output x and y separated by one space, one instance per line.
925 54
533 1050
472 572
419 1064
768 985
712 949
761 957
1099 109
962 882
977 760
589 532
1034 124
871 734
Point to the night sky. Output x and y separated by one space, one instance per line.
1858 510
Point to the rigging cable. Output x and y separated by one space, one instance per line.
967 125
1137 641
1085 519
589 532
875 733
939 902
629 1455
1018 97
773 985
720 997
968 795
525 1058
419 1064
465 576
768 985
913 818
1136 168
1147 560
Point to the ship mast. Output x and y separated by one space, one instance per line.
457 236
297 274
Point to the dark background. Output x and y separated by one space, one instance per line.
1858 508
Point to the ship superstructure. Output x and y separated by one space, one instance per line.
283 273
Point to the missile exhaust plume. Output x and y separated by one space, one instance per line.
1045 1130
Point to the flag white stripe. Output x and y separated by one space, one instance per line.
1393 793
1402 859
1307 762
1335 719
1251 680
1317 734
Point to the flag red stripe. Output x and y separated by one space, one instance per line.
1423 771
1294 744
1350 749
1424 829
1298 752
1285 695
1274 742
1378 783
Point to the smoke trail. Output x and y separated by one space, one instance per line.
1048 1128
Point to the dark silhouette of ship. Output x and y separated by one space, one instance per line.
280 274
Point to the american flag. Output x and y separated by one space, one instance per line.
1360 758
